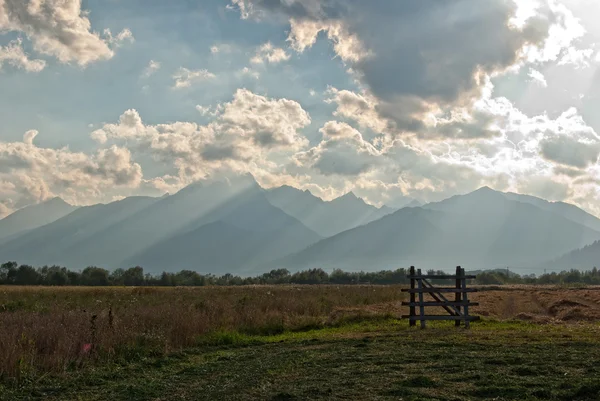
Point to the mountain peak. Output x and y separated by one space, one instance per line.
487 192
349 196
56 201
485 189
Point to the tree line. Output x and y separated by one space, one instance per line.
11 273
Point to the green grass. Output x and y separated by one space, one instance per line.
378 359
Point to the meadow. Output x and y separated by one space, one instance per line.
57 329
293 342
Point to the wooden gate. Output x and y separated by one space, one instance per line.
458 309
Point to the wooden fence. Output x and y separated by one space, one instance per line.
458 309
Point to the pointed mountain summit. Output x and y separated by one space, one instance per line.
70 240
214 226
33 216
414 203
325 218
567 210
479 230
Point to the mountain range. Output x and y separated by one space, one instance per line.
325 218
33 217
234 225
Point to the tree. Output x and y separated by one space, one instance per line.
54 275
133 276
94 276
8 271
26 275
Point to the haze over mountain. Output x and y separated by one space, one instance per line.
234 225
72 239
483 229
584 258
205 226
240 235
325 218
567 210
33 216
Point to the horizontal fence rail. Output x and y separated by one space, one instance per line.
458 309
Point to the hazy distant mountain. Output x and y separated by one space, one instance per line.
241 235
414 203
33 216
482 229
325 218
70 240
400 239
567 210
205 226
584 258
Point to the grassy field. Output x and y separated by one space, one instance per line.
351 348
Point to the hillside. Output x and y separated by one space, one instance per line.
566 210
238 236
325 218
33 216
480 230
205 226
584 258
70 240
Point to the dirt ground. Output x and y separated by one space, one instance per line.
539 304
534 303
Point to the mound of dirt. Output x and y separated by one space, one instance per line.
530 317
579 314
563 305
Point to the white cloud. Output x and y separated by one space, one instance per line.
210 111
117 41
349 47
58 28
184 78
269 53
579 58
221 48
153 67
248 72
30 174
411 72
343 151
244 134
14 55
538 78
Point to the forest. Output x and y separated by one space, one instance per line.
12 273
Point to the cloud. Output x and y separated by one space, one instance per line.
58 28
410 71
269 53
14 55
248 72
574 148
117 41
244 133
153 67
342 151
538 78
579 58
31 174
184 78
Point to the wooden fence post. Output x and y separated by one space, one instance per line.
464 295
457 295
421 298
412 297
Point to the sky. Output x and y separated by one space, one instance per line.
393 100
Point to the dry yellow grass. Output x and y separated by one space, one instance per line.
53 329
